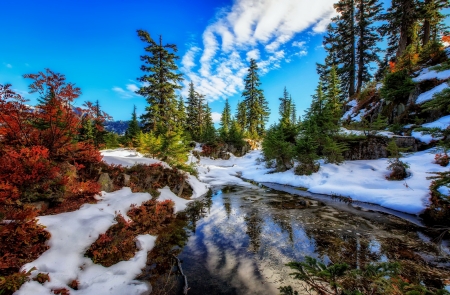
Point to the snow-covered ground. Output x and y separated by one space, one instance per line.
440 123
426 74
426 96
72 234
363 180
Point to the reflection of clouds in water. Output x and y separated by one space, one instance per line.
224 242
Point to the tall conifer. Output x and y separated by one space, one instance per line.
161 81
255 103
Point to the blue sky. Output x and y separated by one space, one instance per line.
94 43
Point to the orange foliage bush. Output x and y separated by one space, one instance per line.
441 159
118 243
22 240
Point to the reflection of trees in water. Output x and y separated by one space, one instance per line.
160 270
285 224
254 228
227 206
343 247
414 267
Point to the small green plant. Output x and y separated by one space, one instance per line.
397 166
397 86
382 278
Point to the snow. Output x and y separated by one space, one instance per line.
441 123
426 96
428 75
363 180
128 158
423 137
72 233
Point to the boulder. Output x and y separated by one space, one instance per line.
106 184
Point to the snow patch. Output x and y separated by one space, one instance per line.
426 96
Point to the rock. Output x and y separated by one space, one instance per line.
106 183
374 147
126 179
40 206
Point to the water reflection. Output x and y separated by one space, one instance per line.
242 237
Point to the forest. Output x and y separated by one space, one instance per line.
373 101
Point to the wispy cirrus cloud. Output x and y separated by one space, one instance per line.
128 92
265 30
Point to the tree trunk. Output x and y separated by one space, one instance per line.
351 90
405 27
361 47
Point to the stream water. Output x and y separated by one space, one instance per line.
238 240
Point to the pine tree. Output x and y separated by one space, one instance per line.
340 42
400 18
87 130
285 109
209 132
367 50
225 121
162 81
333 103
192 112
99 126
241 116
255 103
432 18
133 130
182 116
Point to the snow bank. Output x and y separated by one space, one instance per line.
423 137
428 75
72 233
363 180
426 96
128 158
441 123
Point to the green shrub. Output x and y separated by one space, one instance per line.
397 87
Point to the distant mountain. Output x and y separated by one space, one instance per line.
118 127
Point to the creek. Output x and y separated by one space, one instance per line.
238 239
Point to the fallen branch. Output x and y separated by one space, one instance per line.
185 288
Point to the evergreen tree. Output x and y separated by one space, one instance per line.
162 81
99 131
400 18
235 135
367 50
293 112
112 140
285 109
182 116
432 18
241 116
192 112
209 132
340 42
255 103
133 130
225 121
87 130
333 103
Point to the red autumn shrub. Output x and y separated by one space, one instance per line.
22 240
117 244
151 216
441 159
30 174
39 144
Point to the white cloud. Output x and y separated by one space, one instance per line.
216 117
253 54
118 89
241 31
132 87
128 93
9 66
